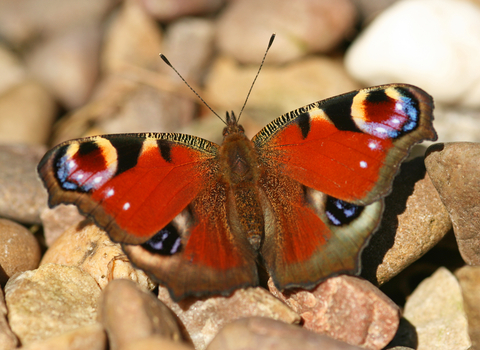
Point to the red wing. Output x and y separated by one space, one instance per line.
349 146
132 185
311 236
198 254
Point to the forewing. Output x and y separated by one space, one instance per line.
349 146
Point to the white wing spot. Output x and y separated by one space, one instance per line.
97 180
110 193
71 164
79 176
126 206
363 164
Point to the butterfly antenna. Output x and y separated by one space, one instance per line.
272 38
162 56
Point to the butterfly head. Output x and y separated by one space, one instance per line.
232 125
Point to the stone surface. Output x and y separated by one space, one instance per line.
455 172
278 90
58 220
203 318
27 111
469 279
302 27
22 21
22 196
91 337
414 221
130 314
156 342
88 247
436 310
50 301
67 63
11 69
263 333
133 38
19 250
346 308
414 40
8 340
168 10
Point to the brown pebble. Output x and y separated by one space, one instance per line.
88 247
156 342
256 333
58 220
8 340
455 172
91 337
346 308
50 301
130 314
203 318
414 221
19 251
469 278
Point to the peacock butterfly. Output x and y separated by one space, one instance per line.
301 198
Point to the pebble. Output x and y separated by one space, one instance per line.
345 308
169 10
27 111
255 333
8 340
130 314
469 279
414 221
89 248
156 342
58 220
434 44
22 196
50 301
302 27
23 21
91 337
67 63
278 90
203 318
455 172
436 311
11 69
20 250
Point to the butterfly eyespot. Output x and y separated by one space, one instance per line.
341 213
166 242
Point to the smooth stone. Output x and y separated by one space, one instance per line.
8 340
255 333
27 112
23 21
466 127
132 38
455 172
20 250
11 69
277 91
203 318
170 10
22 196
302 27
91 337
156 342
67 63
436 310
469 279
88 247
50 301
414 40
414 221
345 308
59 219
130 314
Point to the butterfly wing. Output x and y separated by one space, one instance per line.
337 158
139 187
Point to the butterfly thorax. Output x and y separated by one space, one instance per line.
240 174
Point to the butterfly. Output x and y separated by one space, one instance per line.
301 198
